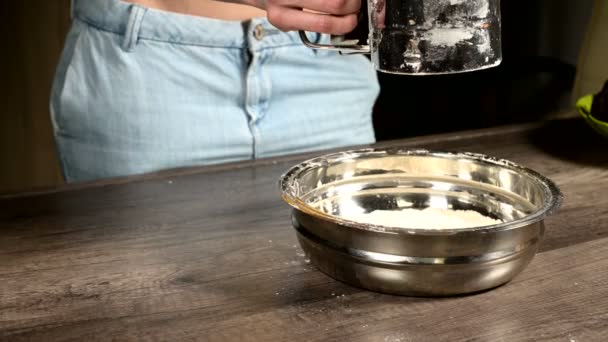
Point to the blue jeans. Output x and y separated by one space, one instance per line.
139 90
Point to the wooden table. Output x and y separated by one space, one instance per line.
209 254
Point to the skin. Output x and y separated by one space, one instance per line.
324 16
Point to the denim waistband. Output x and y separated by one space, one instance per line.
120 18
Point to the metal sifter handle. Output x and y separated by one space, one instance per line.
345 49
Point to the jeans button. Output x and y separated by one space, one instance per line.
258 32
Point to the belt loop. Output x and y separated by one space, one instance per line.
136 18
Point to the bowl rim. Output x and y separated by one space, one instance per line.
550 189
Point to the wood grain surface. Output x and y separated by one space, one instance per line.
209 254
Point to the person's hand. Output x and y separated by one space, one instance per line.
323 16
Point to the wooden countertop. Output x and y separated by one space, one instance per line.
209 254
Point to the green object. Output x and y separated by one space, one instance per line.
584 106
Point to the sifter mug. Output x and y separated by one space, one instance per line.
429 37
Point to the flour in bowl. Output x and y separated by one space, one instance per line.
430 218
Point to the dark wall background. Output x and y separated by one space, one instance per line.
541 41
35 30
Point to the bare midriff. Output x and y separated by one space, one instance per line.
204 8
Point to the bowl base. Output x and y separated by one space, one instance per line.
415 280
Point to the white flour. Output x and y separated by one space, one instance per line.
459 28
430 218
449 36
483 10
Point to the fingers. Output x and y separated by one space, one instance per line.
289 19
330 16
335 7
379 15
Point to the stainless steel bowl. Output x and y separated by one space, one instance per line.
417 261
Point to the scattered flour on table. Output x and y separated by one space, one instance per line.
430 218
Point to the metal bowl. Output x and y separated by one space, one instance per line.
417 261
